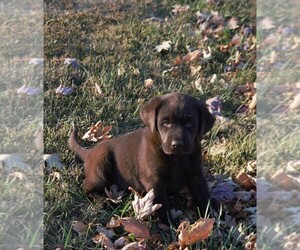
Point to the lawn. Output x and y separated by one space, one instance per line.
104 57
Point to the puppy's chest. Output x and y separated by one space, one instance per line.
176 176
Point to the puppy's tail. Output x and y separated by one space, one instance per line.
75 147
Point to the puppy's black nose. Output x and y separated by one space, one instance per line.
177 144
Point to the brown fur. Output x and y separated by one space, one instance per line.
164 156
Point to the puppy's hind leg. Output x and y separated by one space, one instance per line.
96 176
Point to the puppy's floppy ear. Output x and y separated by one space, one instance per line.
207 120
148 113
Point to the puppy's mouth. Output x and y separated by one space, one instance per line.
175 151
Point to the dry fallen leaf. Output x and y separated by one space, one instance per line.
175 213
97 133
144 206
121 71
177 9
165 46
192 56
108 233
174 246
29 90
233 23
98 89
191 234
136 227
132 246
288 182
242 109
198 84
296 102
53 161
266 23
245 181
121 242
79 227
252 104
236 40
17 175
247 89
292 241
207 53
237 208
113 223
56 175
11 161
214 105
244 196
113 194
64 90
102 239
149 83
251 242
224 192
195 69
71 61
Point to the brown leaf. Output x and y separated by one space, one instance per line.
242 109
144 206
192 56
113 223
173 246
177 61
285 181
245 181
237 208
136 227
102 239
191 234
251 242
97 133
244 89
79 227
236 40
132 246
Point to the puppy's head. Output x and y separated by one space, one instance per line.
179 119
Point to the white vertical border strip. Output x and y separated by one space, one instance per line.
21 124
278 124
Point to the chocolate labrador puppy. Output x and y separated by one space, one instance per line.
164 156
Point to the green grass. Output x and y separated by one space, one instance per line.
105 37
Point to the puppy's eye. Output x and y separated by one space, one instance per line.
166 123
